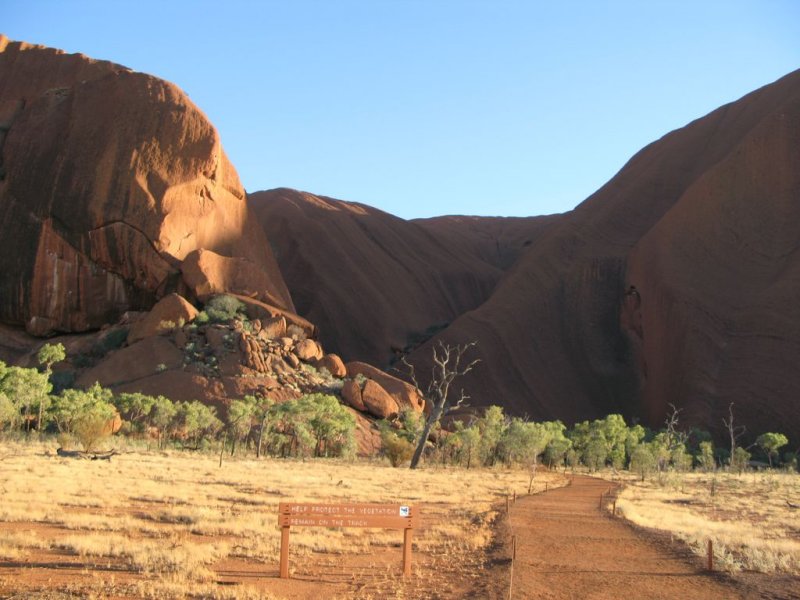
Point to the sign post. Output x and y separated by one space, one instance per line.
386 516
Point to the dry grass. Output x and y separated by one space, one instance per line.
746 516
164 522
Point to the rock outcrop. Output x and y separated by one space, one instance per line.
109 179
375 284
169 312
676 282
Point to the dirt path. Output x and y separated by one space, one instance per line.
568 548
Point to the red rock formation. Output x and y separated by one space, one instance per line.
333 364
374 283
109 179
701 222
704 224
378 401
166 314
404 394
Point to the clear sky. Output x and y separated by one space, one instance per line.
429 107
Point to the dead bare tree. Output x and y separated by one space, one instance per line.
448 364
675 437
735 432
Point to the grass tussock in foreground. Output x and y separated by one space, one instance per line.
748 517
169 522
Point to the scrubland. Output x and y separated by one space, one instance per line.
172 524
752 519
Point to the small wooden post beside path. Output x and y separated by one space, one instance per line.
384 516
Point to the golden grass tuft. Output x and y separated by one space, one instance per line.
746 516
170 519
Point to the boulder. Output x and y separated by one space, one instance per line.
148 357
207 274
172 308
404 393
256 309
308 350
272 328
351 394
333 364
378 401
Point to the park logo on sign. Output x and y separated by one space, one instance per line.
404 511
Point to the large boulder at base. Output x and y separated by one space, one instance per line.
308 350
333 364
207 273
172 308
404 393
150 356
378 401
351 394
368 438
108 180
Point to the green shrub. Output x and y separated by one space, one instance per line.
223 308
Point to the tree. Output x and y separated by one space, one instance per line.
740 459
87 415
771 443
706 456
135 409
491 428
734 431
8 412
162 416
48 355
642 460
240 420
25 388
448 364
196 421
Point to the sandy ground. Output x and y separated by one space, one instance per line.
567 547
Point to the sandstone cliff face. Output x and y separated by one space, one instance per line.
704 224
376 284
109 179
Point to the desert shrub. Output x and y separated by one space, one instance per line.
195 423
162 416
643 460
706 456
202 318
88 416
315 423
134 409
740 459
396 448
27 389
223 308
8 412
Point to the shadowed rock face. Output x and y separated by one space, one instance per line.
703 223
110 178
375 284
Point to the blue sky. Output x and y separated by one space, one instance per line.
430 107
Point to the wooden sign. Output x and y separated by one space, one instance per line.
384 516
